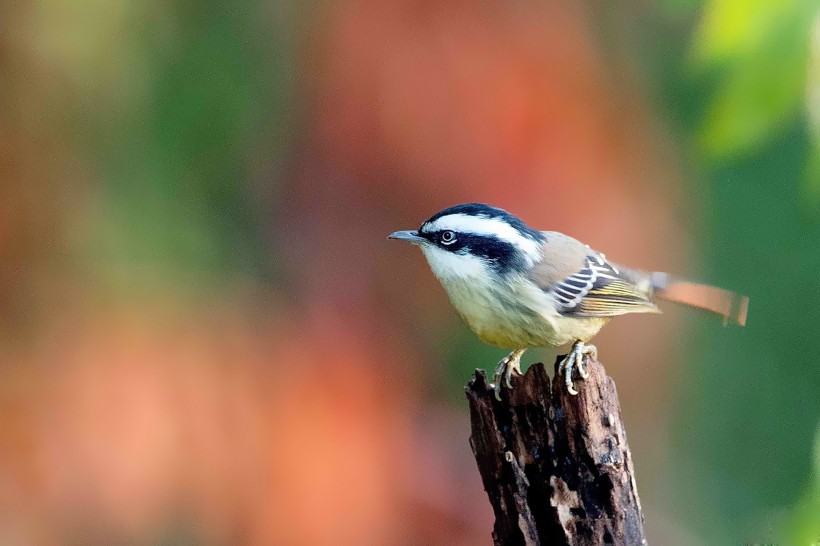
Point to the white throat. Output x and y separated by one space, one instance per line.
449 266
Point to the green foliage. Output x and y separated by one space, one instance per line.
760 49
747 94
803 526
812 178
176 149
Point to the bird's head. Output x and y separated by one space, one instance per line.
475 240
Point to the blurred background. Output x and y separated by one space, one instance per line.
205 337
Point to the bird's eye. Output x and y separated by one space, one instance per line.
448 237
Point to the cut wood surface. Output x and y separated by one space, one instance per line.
556 467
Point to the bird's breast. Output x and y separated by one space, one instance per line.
504 315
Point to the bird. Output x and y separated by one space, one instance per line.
517 287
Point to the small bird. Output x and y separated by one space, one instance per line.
518 288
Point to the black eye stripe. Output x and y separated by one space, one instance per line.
499 254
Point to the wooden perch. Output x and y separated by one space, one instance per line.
557 467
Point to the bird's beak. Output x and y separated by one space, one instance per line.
411 236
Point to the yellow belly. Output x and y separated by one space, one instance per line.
516 315
553 333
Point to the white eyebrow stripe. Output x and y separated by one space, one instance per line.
481 225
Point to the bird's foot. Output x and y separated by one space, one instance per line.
575 358
509 364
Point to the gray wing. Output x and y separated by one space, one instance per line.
587 285
601 289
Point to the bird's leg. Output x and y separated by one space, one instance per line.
565 367
580 350
505 368
590 352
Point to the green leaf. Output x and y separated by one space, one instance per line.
755 100
812 175
759 49
741 28
803 525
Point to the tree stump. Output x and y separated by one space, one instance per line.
556 467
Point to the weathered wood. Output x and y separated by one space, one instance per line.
556 467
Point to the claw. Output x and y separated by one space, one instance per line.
580 352
509 364
513 366
570 361
582 371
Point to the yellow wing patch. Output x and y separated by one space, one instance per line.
600 289
615 298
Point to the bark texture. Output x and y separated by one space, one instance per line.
556 467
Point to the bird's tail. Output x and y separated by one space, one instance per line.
732 307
